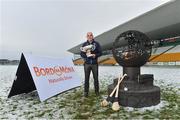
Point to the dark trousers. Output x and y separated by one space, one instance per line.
87 69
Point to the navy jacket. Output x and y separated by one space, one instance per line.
97 51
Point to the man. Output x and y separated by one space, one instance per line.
90 51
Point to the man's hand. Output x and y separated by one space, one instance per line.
93 55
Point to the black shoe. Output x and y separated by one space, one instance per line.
97 93
85 94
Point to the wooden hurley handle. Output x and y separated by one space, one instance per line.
117 89
117 86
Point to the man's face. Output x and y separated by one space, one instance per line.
90 36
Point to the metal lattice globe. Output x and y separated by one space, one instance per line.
132 49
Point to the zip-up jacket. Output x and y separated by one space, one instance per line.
97 51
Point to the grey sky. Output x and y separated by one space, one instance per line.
51 27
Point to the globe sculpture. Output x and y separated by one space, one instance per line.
132 50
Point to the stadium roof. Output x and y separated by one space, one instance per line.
159 23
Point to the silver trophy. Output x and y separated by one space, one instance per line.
87 49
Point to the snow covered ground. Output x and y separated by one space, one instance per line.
71 104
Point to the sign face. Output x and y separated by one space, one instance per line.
50 76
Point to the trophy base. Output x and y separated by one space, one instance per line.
137 94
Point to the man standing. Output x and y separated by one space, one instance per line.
90 51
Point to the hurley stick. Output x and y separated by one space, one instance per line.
115 105
105 102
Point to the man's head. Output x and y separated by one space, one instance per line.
90 36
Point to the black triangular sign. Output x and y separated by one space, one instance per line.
23 82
